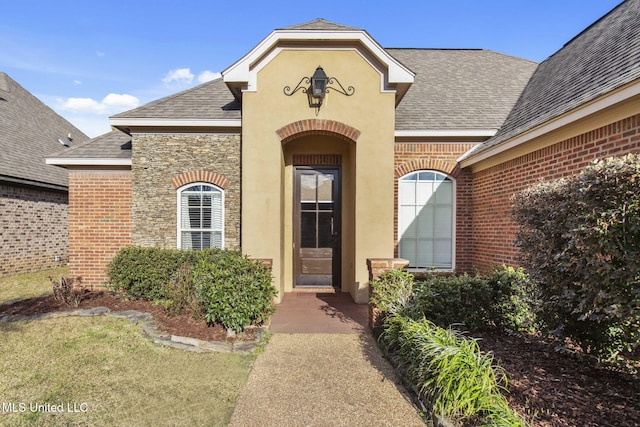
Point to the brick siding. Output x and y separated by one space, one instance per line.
33 229
493 231
99 222
160 161
410 157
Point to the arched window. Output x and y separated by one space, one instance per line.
426 220
200 216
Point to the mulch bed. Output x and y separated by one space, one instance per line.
561 390
556 389
183 325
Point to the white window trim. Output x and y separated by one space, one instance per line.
453 223
179 191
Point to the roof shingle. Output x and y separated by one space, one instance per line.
603 57
29 132
112 145
459 88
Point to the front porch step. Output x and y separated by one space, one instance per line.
313 289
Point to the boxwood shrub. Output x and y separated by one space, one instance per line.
224 286
234 291
503 299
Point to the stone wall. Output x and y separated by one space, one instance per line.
33 229
159 159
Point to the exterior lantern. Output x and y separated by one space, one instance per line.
319 85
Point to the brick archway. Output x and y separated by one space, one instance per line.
317 127
200 176
426 164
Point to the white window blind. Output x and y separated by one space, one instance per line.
426 219
200 217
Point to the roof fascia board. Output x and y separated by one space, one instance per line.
241 70
590 108
447 133
30 183
151 122
80 161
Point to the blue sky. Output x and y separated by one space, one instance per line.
91 59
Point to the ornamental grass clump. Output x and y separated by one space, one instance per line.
452 374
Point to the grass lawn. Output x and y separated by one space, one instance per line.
29 284
108 373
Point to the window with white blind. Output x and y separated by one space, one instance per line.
426 220
200 216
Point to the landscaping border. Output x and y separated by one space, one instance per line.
150 330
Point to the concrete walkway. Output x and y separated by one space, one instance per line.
320 377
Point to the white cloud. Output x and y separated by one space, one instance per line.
119 102
77 82
207 76
180 76
112 103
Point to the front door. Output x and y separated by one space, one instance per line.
317 227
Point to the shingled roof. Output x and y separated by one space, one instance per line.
453 89
112 145
321 24
211 100
605 56
29 132
460 88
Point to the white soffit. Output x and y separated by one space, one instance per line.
132 122
447 133
80 161
243 71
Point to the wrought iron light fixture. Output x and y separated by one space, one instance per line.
319 85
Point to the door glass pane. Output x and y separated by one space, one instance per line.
308 229
325 188
324 229
308 188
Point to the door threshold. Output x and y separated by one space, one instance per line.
314 289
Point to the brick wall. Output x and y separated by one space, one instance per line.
494 231
99 221
33 229
441 157
158 159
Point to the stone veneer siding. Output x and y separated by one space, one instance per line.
33 228
493 230
159 158
99 221
442 157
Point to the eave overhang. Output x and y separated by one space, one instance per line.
242 75
621 96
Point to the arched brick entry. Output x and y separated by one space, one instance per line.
317 127
200 176
425 164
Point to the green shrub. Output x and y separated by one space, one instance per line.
392 291
455 377
222 286
234 291
579 239
503 299
145 272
